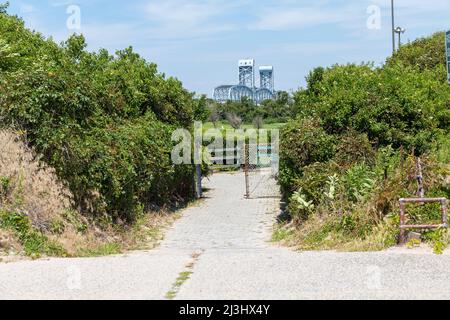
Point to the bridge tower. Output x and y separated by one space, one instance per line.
266 78
247 73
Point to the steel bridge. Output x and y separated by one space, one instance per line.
246 87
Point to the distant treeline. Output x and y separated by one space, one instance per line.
277 110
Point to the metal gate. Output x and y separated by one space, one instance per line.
258 162
261 163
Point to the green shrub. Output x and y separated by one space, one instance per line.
300 207
354 148
421 54
302 143
315 180
358 182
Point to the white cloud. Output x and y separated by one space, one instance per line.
414 15
290 15
26 8
110 35
415 5
189 18
185 12
284 18
61 3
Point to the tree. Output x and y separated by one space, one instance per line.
201 110
313 79
279 109
3 7
214 116
258 122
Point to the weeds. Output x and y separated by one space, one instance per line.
282 233
358 181
104 249
356 209
36 210
413 243
34 242
437 238
183 277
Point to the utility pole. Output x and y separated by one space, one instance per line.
393 26
198 172
247 169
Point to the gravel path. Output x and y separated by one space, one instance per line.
224 243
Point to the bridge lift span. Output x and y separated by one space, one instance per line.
246 87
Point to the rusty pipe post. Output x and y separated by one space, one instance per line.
404 226
444 212
393 26
246 170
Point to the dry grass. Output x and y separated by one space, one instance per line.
30 186
143 234
8 242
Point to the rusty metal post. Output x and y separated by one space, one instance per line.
246 170
420 190
404 226
402 163
198 184
444 212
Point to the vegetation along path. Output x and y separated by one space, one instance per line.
220 249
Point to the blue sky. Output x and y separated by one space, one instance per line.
200 41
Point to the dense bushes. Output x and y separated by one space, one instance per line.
103 121
302 143
391 105
422 54
341 168
406 102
